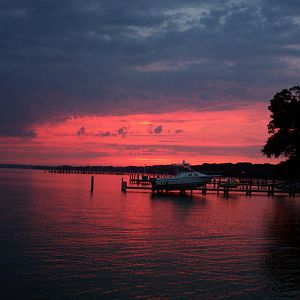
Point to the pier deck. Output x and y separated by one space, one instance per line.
247 187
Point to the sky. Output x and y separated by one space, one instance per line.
142 82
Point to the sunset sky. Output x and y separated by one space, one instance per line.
142 82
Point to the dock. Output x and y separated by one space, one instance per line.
142 181
247 187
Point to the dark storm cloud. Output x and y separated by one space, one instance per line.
122 131
158 129
81 131
105 134
68 58
155 130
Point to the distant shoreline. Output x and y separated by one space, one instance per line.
243 169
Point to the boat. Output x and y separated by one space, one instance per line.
185 179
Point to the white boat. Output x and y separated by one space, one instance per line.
183 180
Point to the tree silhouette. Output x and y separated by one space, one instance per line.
284 125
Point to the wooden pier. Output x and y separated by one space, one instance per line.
139 181
78 170
245 186
144 179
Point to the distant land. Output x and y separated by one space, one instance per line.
243 169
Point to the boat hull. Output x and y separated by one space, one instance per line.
179 184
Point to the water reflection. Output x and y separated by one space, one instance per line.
282 261
181 201
58 241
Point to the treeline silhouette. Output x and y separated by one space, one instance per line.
285 170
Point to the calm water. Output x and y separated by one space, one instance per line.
60 242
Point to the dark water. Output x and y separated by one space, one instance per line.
59 242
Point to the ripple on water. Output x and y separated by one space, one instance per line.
59 242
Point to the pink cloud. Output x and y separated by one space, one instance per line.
219 136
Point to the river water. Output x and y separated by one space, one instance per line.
58 241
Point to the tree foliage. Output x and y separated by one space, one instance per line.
284 126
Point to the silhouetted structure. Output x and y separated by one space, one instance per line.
226 169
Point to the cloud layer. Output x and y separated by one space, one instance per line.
71 58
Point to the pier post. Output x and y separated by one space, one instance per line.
272 190
248 189
92 184
292 194
123 186
226 191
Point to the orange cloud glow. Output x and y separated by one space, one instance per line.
198 137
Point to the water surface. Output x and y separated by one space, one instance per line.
59 241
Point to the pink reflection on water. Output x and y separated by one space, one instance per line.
138 244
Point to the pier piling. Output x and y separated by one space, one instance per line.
124 186
92 184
